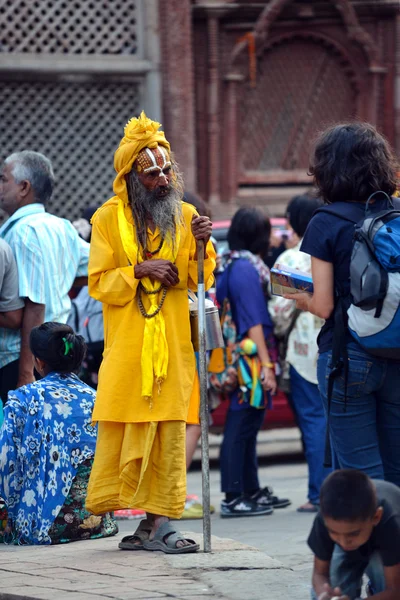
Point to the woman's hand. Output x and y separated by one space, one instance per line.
302 300
322 302
268 380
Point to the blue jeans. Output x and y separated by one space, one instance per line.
347 571
365 433
312 422
238 456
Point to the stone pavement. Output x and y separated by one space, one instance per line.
97 569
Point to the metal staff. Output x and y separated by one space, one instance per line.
204 419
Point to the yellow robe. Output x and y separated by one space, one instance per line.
112 281
125 481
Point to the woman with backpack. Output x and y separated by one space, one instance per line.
244 283
360 389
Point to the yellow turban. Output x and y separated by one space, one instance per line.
139 133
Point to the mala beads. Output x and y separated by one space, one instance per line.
142 309
149 254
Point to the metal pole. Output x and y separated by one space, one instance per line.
205 462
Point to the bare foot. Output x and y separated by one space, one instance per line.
308 507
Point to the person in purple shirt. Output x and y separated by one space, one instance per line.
244 282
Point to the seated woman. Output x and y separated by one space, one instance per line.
47 445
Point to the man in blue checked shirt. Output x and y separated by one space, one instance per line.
50 257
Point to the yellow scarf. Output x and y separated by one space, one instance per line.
143 133
154 361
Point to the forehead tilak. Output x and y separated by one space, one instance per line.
158 160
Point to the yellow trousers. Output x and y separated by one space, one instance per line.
140 465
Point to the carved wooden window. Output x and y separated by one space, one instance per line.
302 86
68 26
77 125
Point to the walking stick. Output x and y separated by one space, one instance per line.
205 461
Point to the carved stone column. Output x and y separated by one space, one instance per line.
214 10
151 52
233 80
178 84
214 166
376 75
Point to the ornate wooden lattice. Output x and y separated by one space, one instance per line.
78 126
68 26
302 86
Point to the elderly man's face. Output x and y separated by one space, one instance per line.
10 191
154 171
157 181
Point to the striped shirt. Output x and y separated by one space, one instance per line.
50 255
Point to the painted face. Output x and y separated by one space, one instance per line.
154 170
350 535
9 191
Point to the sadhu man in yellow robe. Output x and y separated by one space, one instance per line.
142 263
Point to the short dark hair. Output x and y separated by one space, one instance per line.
300 211
58 346
352 161
348 495
250 230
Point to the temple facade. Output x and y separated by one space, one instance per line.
269 75
241 88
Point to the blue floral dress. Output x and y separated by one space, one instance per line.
46 436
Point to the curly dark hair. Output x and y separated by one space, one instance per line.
352 161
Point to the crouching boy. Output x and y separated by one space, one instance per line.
357 531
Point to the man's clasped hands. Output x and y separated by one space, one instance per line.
165 271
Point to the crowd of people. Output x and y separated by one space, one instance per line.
96 422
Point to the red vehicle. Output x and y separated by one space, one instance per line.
281 414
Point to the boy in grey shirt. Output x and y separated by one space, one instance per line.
357 531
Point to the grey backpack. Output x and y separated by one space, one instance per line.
373 309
